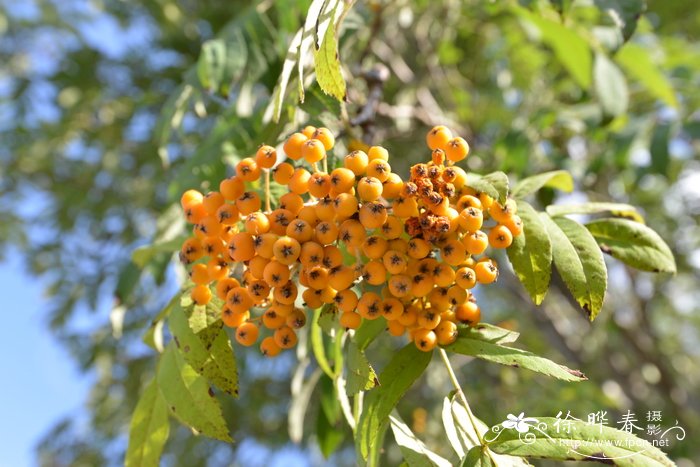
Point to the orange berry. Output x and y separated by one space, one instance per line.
342 180
268 346
263 244
313 151
346 300
378 152
312 254
273 318
468 313
297 319
378 168
200 274
248 170
283 173
247 334
285 337
486 272
373 215
475 242
456 149
514 224
471 219
502 213
232 188
395 328
300 230
468 201
369 188
227 214
325 136
392 186
266 157
374 272
425 339
299 183
224 286
317 277
212 201
201 294
350 320
241 247
326 232
308 131
234 319
500 237
357 162
238 299
374 247
446 332
319 185
190 197
345 206
286 250
292 147
438 137
279 220
465 277
392 308
257 223
248 202
217 269
370 306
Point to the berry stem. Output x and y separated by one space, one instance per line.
267 190
460 394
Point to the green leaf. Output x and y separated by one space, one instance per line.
478 456
154 335
208 352
579 262
142 255
531 254
318 346
368 331
189 397
559 179
610 86
634 244
474 346
415 453
149 429
274 110
494 184
361 375
490 333
450 425
557 439
637 62
571 49
211 64
623 13
615 209
329 75
402 371
330 437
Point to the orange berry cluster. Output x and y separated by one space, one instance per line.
357 237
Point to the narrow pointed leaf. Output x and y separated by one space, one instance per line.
610 86
579 262
494 184
531 254
399 375
361 375
559 179
576 440
327 62
637 62
593 207
475 347
634 244
208 352
189 397
149 430
415 453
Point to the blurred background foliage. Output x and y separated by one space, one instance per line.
105 117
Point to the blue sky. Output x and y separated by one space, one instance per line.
40 382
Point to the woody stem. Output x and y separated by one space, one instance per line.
460 394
